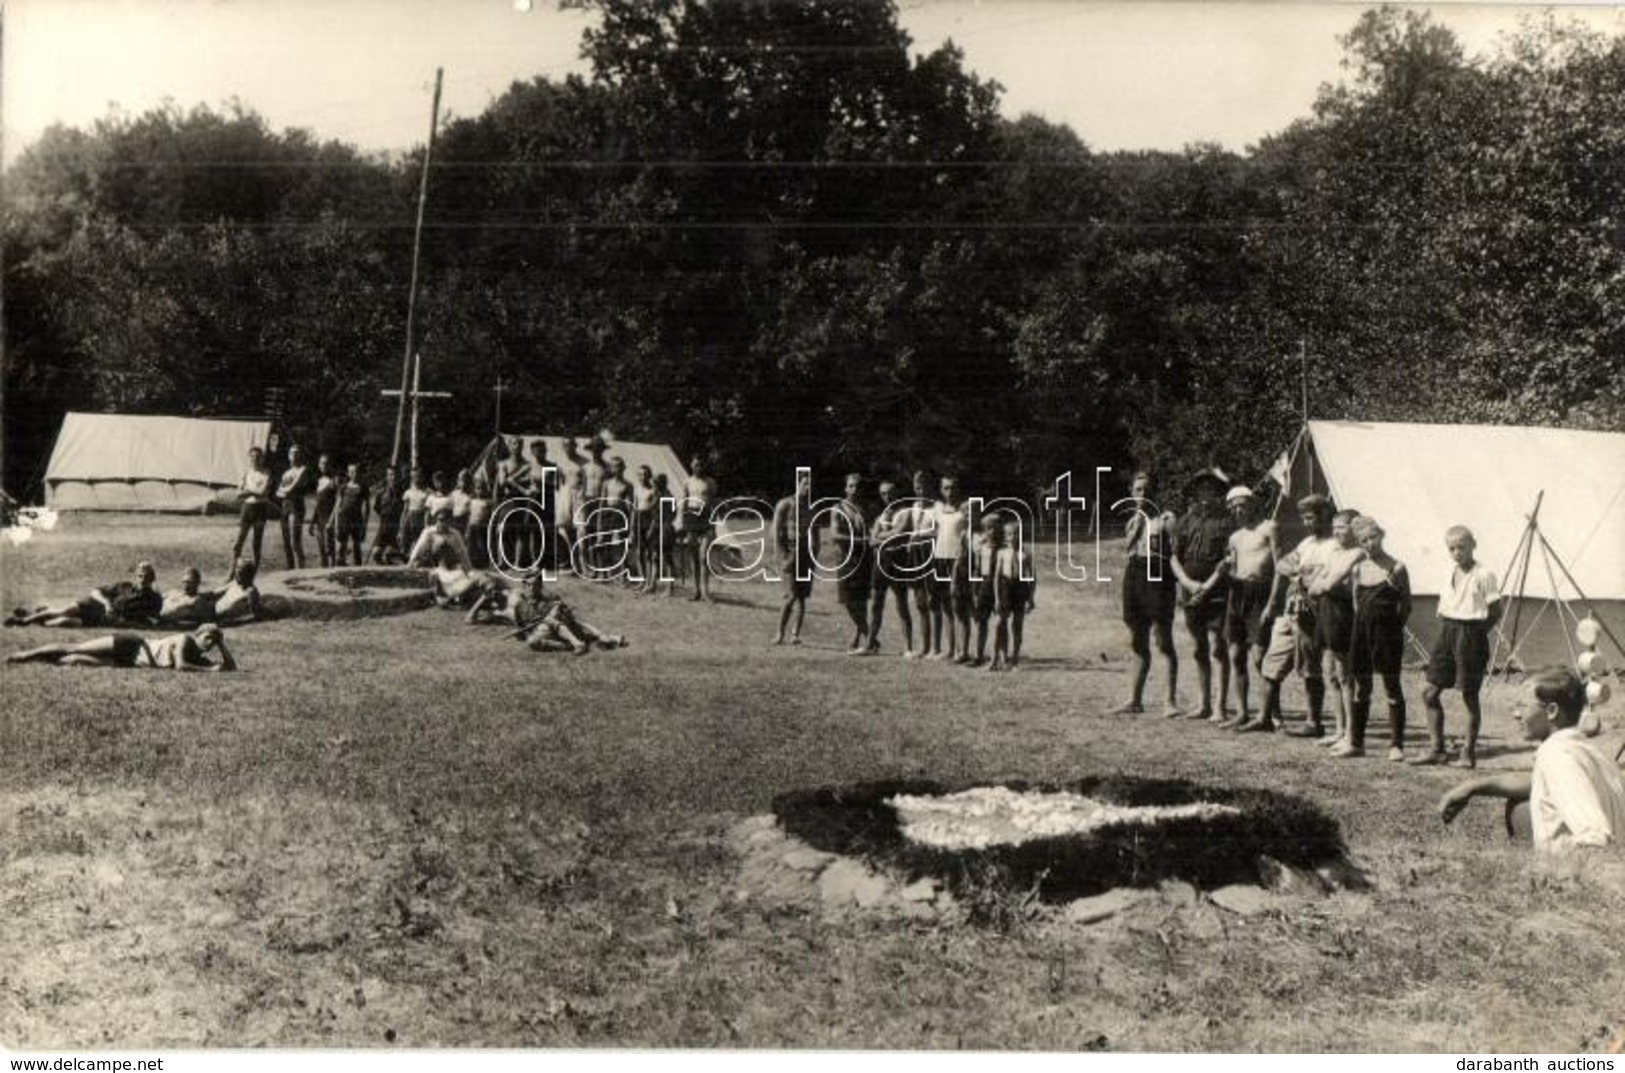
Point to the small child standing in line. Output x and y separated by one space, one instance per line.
984 585
1469 608
1017 583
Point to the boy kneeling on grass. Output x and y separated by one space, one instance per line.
1576 794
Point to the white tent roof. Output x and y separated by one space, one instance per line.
129 462
1418 480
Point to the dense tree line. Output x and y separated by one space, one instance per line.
772 234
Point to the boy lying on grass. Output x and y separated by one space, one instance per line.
1576 794
192 605
177 652
134 603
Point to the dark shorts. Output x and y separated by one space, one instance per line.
1378 645
1018 593
950 585
126 649
984 595
856 577
1244 613
794 586
1146 601
91 612
253 512
1206 613
1461 655
1334 623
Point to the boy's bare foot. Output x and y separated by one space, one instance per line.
1172 711
1465 761
909 653
1133 707
1258 726
1306 730
1396 754
779 640
1432 758
1346 750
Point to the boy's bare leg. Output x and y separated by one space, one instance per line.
1018 616
1469 698
784 618
1140 645
1165 645
1431 697
1238 662
1203 655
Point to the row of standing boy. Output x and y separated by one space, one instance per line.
1333 609
344 507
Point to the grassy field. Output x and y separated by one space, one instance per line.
410 831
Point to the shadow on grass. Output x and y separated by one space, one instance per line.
1207 853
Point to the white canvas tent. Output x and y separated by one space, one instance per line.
129 462
1419 480
657 456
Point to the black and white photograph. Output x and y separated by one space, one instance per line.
1057 527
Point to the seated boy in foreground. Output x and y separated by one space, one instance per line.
1576 794
558 630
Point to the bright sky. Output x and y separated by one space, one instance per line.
1124 75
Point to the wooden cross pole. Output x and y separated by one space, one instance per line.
500 386
414 396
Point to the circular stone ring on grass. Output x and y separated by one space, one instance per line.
1069 841
345 592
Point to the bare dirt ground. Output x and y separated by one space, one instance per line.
406 830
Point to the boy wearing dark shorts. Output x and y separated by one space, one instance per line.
1201 541
1250 569
1149 594
1468 609
796 541
856 563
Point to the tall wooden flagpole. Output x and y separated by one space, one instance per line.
407 386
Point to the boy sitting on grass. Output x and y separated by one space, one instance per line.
1468 609
559 630
1576 794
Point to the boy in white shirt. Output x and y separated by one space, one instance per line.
1469 607
1576 794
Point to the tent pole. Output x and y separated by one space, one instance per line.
412 289
1525 548
1592 611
